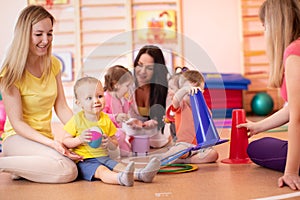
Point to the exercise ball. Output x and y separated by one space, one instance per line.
262 104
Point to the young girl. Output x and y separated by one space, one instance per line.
118 81
96 163
189 82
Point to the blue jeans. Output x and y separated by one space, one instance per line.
88 167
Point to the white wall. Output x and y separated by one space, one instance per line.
213 25
9 10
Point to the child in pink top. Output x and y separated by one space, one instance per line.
118 81
189 82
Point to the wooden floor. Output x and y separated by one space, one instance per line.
210 181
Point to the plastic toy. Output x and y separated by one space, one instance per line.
262 104
2 119
140 143
96 137
206 132
170 115
2 115
239 140
178 168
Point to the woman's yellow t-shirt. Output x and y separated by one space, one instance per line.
38 96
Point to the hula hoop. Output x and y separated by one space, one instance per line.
178 168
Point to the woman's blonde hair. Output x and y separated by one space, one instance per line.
13 66
281 19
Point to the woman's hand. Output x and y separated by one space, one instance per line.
122 117
250 126
135 123
59 147
150 124
73 156
291 180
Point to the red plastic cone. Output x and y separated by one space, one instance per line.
238 140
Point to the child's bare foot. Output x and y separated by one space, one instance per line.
206 155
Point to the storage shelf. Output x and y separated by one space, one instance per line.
101 5
263 75
246 64
103 31
248 18
65 20
154 3
253 33
105 44
63 45
102 18
250 53
64 32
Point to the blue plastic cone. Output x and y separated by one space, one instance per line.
206 132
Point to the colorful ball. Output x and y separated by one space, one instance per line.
262 104
2 116
96 137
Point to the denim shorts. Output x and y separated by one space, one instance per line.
88 167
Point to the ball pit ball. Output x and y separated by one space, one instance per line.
96 137
262 104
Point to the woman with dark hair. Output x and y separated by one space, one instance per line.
151 91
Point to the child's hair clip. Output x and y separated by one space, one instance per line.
181 69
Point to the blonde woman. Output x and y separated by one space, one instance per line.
31 87
281 20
